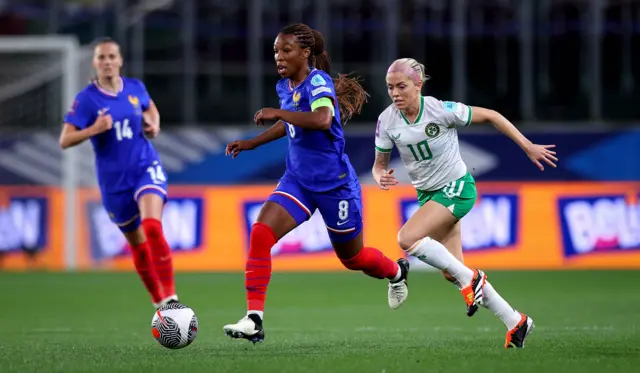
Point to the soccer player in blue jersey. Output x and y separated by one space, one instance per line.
117 114
318 176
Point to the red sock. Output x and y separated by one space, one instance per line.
144 266
373 263
258 268
161 254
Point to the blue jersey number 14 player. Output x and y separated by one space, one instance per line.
116 113
318 174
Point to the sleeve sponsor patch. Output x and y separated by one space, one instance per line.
450 106
318 80
319 90
73 107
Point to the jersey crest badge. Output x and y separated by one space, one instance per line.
296 99
135 102
432 130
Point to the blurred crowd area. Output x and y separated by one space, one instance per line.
210 61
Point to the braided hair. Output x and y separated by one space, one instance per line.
350 94
414 69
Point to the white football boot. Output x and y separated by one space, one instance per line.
248 327
170 299
399 290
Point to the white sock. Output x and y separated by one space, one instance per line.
496 304
435 254
398 275
457 284
259 313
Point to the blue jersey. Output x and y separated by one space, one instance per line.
316 158
123 154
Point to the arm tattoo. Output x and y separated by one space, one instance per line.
382 159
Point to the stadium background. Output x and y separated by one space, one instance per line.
563 71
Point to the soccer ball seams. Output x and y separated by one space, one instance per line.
166 326
168 332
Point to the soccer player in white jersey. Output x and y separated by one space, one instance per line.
424 129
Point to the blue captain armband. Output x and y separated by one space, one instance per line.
323 102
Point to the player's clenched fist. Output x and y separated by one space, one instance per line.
151 131
104 122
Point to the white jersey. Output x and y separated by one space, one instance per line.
429 146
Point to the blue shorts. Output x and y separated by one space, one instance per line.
122 207
341 208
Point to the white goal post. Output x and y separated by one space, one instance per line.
66 67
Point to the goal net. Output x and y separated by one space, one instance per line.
39 77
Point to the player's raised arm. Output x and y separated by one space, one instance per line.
318 119
535 152
276 131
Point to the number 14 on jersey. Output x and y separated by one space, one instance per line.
123 130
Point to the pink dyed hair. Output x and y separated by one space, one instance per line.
414 69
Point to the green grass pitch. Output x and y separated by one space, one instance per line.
587 321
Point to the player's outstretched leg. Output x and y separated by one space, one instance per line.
372 262
274 222
415 238
151 204
341 211
256 278
491 299
478 292
141 254
144 267
436 255
162 258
